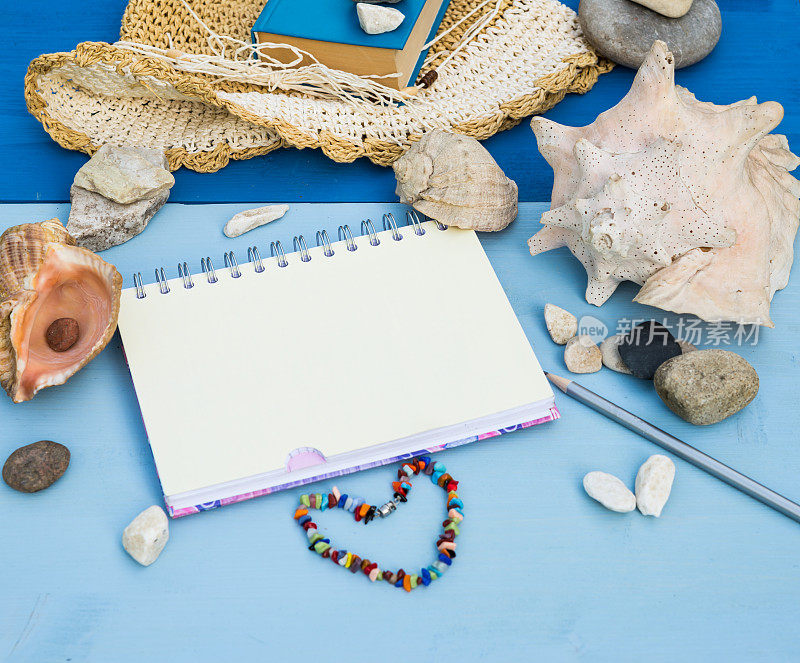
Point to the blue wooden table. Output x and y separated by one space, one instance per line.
543 572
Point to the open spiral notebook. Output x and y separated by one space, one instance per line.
285 370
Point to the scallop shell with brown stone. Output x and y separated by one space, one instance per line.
45 277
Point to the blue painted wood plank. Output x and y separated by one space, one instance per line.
543 572
752 58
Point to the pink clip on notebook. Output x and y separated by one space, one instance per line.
333 359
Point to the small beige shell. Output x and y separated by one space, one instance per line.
453 179
43 277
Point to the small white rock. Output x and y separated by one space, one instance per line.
581 355
253 218
146 536
653 484
375 19
609 348
609 491
668 8
561 324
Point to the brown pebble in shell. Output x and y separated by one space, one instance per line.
36 466
62 334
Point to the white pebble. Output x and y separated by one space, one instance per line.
146 536
653 484
609 348
581 355
561 324
253 218
609 491
375 19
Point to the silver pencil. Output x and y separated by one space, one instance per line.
677 447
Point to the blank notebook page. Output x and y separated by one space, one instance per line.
339 353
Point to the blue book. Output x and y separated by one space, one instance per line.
330 31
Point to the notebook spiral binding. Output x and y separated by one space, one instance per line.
277 252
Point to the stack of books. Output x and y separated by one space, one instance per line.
332 34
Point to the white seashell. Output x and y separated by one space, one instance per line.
253 218
561 324
453 179
691 200
375 20
581 355
609 348
146 536
653 484
609 491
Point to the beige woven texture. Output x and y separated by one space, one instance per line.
522 63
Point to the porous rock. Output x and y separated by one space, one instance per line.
98 223
581 355
609 491
609 348
645 347
561 324
36 466
251 219
670 8
375 20
653 484
706 386
125 174
146 536
624 31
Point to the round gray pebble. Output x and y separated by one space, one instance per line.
706 386
624 31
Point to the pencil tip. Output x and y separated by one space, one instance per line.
558 381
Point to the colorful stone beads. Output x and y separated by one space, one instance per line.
445 545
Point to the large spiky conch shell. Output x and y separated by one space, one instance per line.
44 277
453 179
692 200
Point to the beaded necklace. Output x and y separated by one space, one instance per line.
445 545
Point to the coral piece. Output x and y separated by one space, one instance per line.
453 179
689 199
44 277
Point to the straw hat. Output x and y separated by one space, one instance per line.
176 82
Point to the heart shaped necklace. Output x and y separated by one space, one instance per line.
446 544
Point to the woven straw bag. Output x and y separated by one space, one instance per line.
522 62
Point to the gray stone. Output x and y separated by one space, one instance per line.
98 223
624 31
125 174
378 2
706 386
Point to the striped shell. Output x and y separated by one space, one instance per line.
43 277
